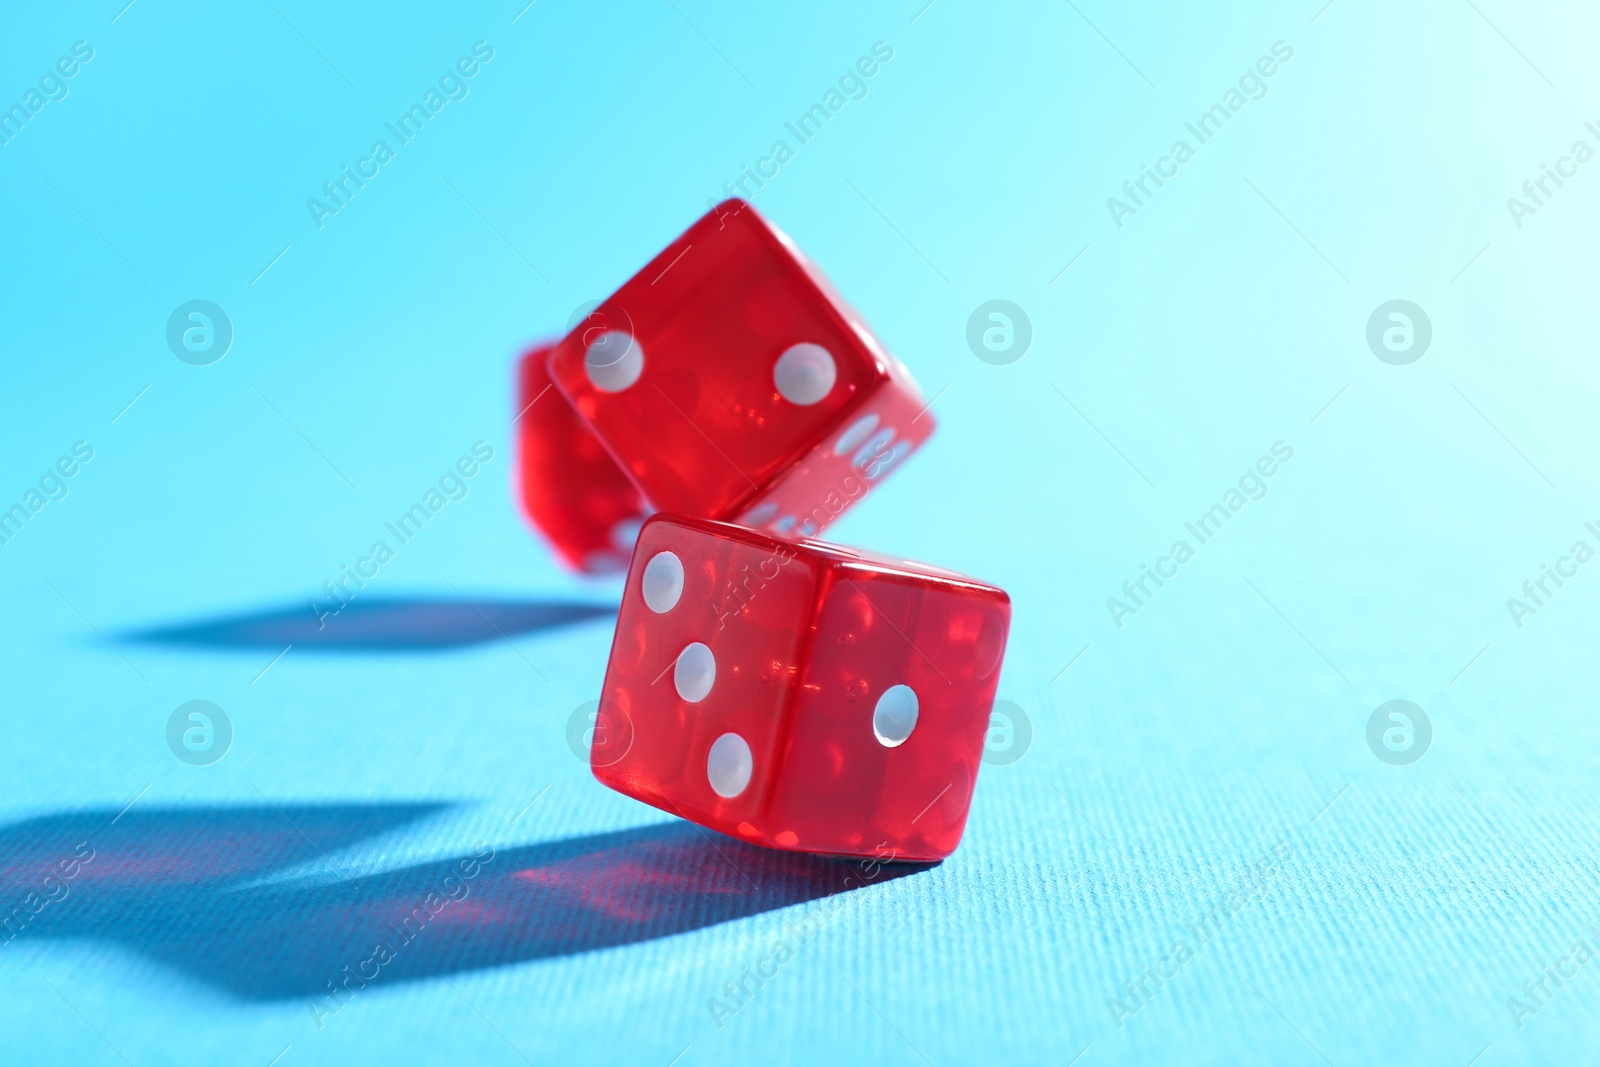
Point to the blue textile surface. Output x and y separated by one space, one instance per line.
1209 850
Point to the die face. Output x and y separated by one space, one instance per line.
723 365
887 731
702 670
845 466
859 687
570 487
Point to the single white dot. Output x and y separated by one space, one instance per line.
895 716
696 670
804 374
760 515
613 361
729 766
855 434
662 583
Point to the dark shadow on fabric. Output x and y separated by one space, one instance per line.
195 890
379 625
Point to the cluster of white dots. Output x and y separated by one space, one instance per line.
803 374
613 361
730 764
873 458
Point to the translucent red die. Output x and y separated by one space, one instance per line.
798 694
730 381
571 488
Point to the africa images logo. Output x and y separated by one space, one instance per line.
52 87
199 733
1252 485
999 332
452 85
1252 85
1399 732
199 332
1399 332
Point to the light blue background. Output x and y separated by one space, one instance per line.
1221 719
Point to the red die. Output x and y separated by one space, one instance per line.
730 381
571 487
798 694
